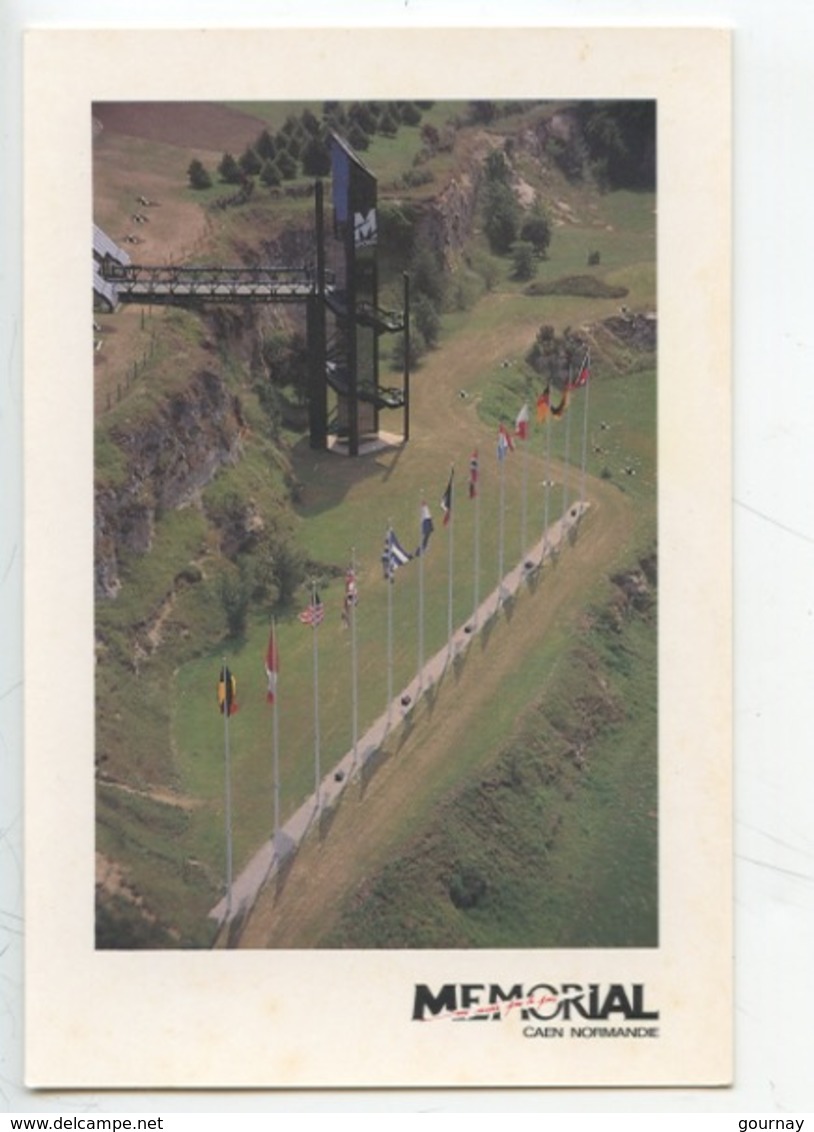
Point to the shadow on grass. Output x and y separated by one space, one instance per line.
373 762
284 867
486 631
406 728
459 662
430 698
325 478
326 818
509 602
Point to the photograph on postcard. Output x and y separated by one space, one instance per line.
375 524
393 514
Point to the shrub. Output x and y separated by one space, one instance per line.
198 176
524 265
467 888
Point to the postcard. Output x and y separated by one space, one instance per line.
378 528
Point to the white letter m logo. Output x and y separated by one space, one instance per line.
364 228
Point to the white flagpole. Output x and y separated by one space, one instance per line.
547 474
227 788
421 598
354 658
389 619
567 393
451 514
477 548
315 630
524 497
275 726
585 431
502 462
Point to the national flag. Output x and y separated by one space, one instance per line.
426 529
393 556
272 667
558 410
543 404
351 591
521 425
446 500
227 692
314 613
473 474
504 443
584 373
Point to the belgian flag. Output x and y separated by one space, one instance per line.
227 692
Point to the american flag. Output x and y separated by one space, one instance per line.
314 613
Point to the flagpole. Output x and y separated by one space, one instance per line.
275 726
354 659
389 618
315 627
524 500
477 552
227 699
451 514
421 601
585 432
502 462
567 448
547 484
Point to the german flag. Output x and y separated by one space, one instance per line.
559 410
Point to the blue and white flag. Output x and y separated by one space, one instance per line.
393 556
426 529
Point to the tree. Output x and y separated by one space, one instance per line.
497 168
428 275
229 170
198 176
234 591
536 228
426 319
249 162
482 111
316 157
357 137
270 174
310 123
388 123
410 114
362 116
287 166
265 146
501 214
524 264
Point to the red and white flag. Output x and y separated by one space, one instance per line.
504 442
584 372
521 425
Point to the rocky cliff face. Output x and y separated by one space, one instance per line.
169 458
447 221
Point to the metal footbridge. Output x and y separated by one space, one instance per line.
135 283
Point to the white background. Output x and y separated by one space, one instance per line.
773 553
